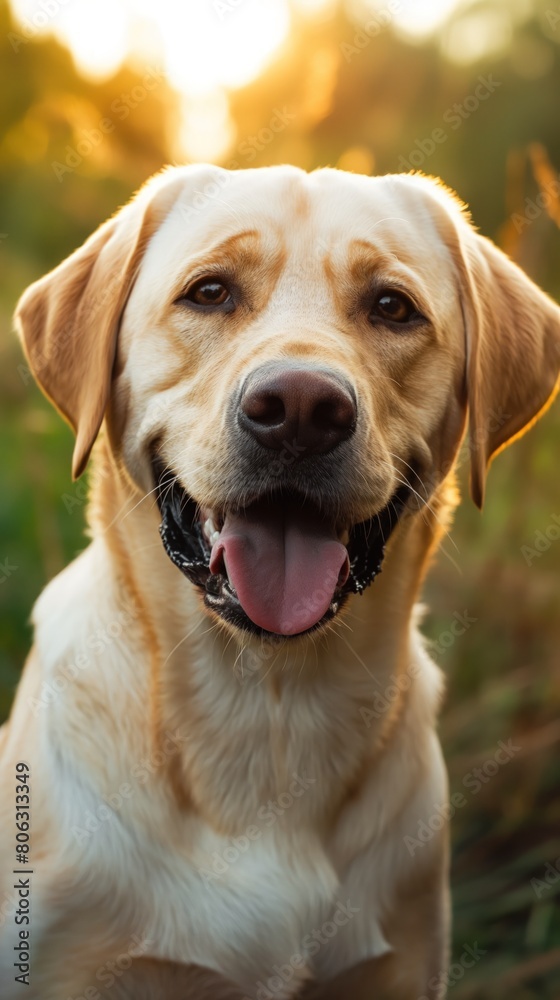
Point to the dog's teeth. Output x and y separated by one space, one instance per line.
210 530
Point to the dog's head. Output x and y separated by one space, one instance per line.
290 359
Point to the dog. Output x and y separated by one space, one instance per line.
283 366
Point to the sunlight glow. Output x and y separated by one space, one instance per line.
204 47
207 131
477 35
415 19
95 31
214 43
421 18
206 44
324 8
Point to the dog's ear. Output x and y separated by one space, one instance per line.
513 352
68 320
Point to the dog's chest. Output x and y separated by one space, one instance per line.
262 897
258 902
249 748
266 775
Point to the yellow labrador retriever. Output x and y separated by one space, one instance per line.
213 800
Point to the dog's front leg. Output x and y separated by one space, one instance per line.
153 979
415 969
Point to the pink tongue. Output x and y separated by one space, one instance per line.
285 566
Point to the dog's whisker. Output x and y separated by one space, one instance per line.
239 657
265 675
390 218
181 641
117 518
144 497
145 548
360 661
405 482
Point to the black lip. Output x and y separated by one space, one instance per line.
186 546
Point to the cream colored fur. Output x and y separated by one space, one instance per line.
156 738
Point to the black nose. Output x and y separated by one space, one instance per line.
289 404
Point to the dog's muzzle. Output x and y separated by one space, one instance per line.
279 558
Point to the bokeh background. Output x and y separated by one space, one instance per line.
467 91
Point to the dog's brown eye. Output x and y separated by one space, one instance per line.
207 292
394 306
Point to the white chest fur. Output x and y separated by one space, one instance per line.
268 868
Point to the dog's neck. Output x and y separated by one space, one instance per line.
318 705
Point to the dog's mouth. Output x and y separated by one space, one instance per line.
277 567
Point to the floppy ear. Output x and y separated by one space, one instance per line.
68 320
513 353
